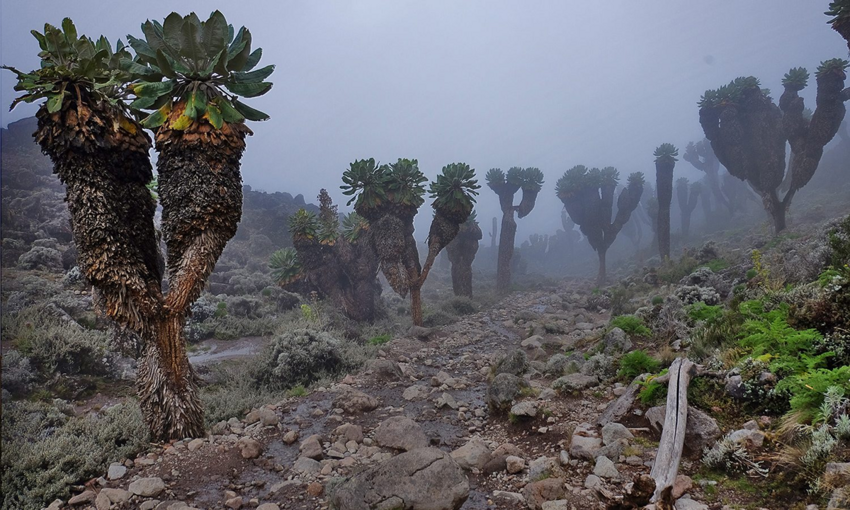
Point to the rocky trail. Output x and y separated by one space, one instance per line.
466 416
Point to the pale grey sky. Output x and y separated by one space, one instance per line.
549 84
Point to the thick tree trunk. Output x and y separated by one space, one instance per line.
200 188
416 305
686 225
600 278
167 385
462 278
506 252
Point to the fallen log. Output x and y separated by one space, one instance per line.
672 442
618 408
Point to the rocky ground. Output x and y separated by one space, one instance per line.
469 413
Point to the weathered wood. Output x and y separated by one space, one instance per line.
673 436
621 406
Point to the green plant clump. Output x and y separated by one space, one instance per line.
631 325
635 363
380 339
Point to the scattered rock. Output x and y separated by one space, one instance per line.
503 390
147 487
574 382
315 489
689 504
584 447
514 464
524 409
306 466
515 363
84 497
537 493
447 400
682 485
386 370
474 454
266 417
354 401
613 432
250 448
837 474
544 467
592 481
116 471
558 504
116 496
349 432
401 433
425 478
312 447
268 506
415 392
195 444
290 437
509 497
605 468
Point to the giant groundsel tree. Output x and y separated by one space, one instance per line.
702 157
665 161
389 196
588 196
461 252
530 180
687 195
748 132
338 264
839 13
189 74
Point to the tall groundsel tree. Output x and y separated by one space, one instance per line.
588 197
388 198
665 161
839 18
190 74
530 181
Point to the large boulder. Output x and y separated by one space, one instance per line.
616 341
515 363
421 479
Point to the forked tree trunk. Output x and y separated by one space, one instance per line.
200 187
167 384
506 252
416 305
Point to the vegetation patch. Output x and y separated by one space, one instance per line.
632 325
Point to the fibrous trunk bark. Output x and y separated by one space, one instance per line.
200 187
506 252
664 187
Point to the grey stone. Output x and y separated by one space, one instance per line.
415 392
575 382
735 387
195 444
422 479
116 471
250 448
514 464
689 504
537 493
748 438
354 401
701 430
544 467
81 498
311 447
558 504
584 447
474 454
268 506
147 487
503 390
616 341
306 465
605 468
401 433
612 432
116 496
592 481
837 474
515 363
349 432
526 408
266 417
510 497
386 370
840 499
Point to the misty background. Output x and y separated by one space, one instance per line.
492 84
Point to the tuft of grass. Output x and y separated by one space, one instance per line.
717 265
635 363
380 339
632 325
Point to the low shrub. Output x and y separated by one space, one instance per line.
635 363
17 373
53 450
631 325
460 305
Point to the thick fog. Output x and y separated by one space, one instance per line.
493 84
